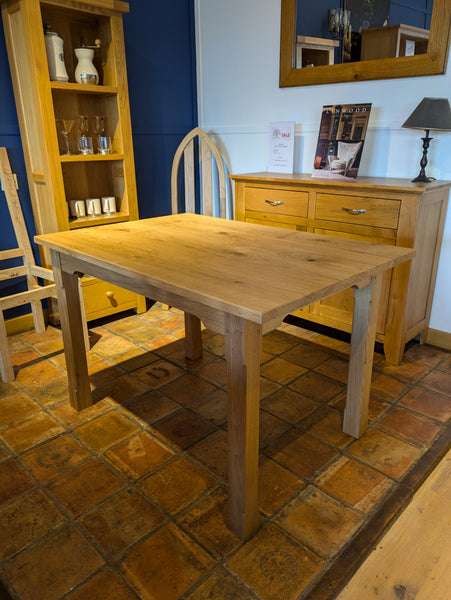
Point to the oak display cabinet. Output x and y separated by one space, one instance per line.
377 209
55 178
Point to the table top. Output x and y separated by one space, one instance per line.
252 271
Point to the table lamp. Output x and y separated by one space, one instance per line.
431 113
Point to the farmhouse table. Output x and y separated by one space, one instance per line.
240 280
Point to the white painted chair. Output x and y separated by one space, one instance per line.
207 203
35 292
206 151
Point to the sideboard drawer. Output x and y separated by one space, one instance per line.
277 202
358 210
102 298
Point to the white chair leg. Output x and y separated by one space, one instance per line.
6 366
38 316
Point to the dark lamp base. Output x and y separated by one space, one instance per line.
424 160
423 178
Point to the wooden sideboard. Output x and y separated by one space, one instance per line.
381 210
393 41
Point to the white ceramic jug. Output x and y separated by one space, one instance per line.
55 55
85 71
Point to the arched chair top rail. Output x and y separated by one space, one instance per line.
207 148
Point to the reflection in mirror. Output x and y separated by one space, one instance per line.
329 32
334 49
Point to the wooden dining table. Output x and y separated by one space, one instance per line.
240 280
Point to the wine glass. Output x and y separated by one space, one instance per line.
83 125
84 142
98 126
65 126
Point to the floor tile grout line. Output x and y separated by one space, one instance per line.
395 503
269 518
71 520
341 450
312 482
325 467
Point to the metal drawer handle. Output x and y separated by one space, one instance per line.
274 202
354 211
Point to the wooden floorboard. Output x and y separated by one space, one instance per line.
413 559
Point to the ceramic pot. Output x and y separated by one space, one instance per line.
85 71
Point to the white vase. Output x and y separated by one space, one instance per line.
85 71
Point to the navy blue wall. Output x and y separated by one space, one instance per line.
312 18
10 139
161 64
160 48
412 12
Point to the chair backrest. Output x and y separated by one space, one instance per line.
206 149
348 151
35 293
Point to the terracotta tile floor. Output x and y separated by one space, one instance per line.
127 498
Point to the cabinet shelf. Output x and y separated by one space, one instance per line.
72 158
108 90
82 222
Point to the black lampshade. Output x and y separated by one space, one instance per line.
431 113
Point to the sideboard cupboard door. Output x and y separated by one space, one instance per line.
338 309
377 209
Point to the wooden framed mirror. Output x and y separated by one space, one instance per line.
431 62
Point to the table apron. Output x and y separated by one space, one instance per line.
212 318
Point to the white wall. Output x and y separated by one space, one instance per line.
239 94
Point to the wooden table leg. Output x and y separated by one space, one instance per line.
243 342
366 302
193 337
72 326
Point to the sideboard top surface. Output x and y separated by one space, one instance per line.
394 183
